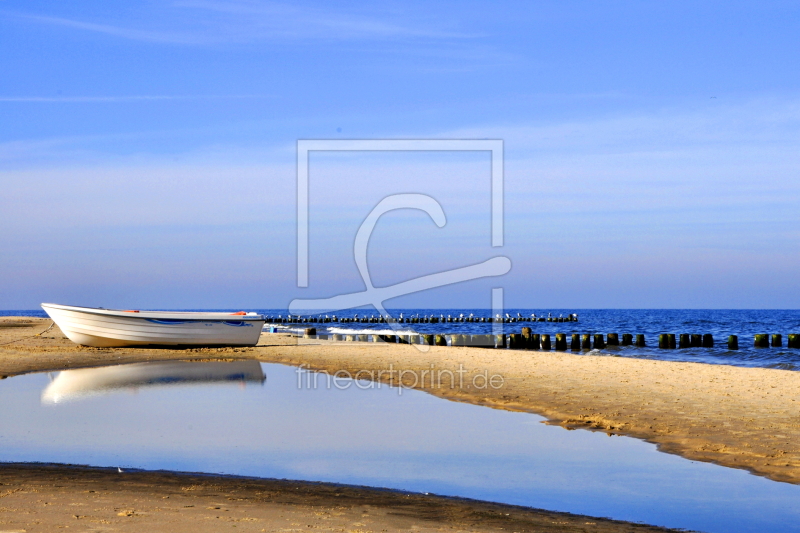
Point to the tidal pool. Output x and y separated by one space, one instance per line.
263 420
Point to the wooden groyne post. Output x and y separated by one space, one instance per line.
500 340
586 342
685 341
546 342
536 341
733 342
599 341
575 343
794 340
761 340
561 342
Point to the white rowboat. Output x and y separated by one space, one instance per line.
106 327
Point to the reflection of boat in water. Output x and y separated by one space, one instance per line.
107 327
74 384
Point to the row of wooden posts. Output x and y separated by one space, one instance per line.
535 341
573 317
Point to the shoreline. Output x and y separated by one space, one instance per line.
44 497
737 417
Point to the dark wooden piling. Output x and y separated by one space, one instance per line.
627 339
612 339
515 341
536 342
527 333
671 338
441 340
696 340
561 342
500 340
546 342
685 341
640 341
310 332
708 340
599 341
663 341
794 340
427 339
586 342
733 342
575 342
761 340
777 340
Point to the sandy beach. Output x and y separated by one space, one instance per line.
737 417
44 498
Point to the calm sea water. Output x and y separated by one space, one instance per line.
650 322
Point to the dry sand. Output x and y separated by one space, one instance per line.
738 417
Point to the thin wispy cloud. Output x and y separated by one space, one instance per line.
125 98
107 29
290 20
203 22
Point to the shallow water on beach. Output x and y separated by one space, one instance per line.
267 420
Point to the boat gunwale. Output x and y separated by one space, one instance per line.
210 316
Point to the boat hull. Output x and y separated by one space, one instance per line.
105 328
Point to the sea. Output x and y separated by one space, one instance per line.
745 323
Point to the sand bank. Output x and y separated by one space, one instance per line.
49 497
738 417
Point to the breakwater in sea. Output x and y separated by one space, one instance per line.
419 318
527 340
698 335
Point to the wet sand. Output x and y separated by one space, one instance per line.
738 417
47 498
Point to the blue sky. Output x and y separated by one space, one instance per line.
147 151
